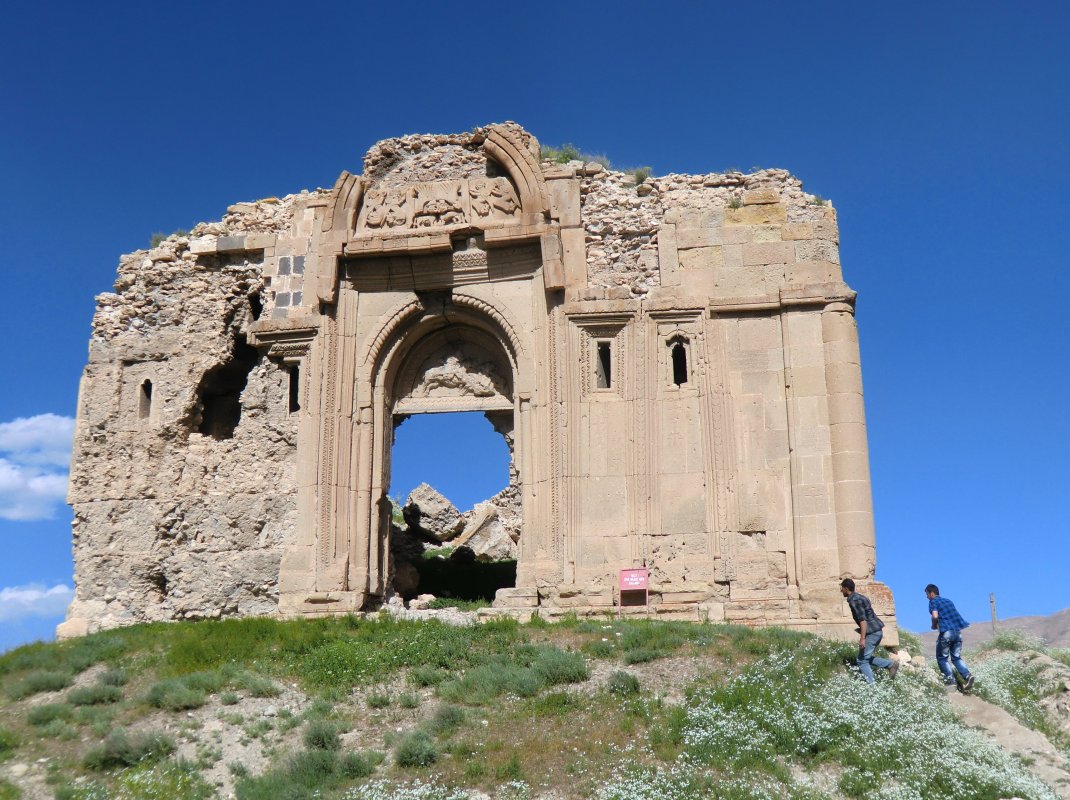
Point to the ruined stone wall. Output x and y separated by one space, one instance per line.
170 522
675 361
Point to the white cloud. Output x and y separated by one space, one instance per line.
34 454
34 600
44 439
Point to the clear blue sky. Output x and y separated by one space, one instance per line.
939 130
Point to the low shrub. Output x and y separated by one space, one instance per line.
40 681
622 683
408 700
258 686
42 715
359 765
58 729
446 720
378 700
175 694
1014 640
600 648
113 677
9 740
8 790
229 699
641 655
313 768
484 684
95 695
322 734
555 666
428 676
304 776
122 749
415 750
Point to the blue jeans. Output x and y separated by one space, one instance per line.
950 642
865 656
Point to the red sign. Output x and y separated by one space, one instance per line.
633 579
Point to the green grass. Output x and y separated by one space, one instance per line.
768 706
8 790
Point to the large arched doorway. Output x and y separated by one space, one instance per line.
453 357
454 370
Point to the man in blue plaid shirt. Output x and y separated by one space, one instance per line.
950 623
870 632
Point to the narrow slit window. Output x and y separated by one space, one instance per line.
679 364
144 400
295 389
604 366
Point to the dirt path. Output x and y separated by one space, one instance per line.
1037 752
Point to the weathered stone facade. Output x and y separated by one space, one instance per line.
674 364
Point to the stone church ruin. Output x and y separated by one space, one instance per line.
673 363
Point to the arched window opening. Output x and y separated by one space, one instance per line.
144 400
679 363
604 366
256 305
295 389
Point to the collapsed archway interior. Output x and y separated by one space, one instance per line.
467 457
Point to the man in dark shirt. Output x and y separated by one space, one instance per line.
950 623
870 632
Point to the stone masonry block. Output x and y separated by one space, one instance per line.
754 197
847 407
738 234
202 245
756 215
817 250
761 253
231 244
797 230
807 272
668 256
701 258
697 237
765 233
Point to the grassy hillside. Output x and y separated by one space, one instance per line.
368 709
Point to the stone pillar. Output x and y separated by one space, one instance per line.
850 453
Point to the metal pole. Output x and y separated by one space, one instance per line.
992 602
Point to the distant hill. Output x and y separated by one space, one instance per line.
1054 629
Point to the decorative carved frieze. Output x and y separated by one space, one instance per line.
439 204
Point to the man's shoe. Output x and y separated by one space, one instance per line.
893 670
968 685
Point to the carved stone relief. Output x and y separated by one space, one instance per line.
439 204
456 376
